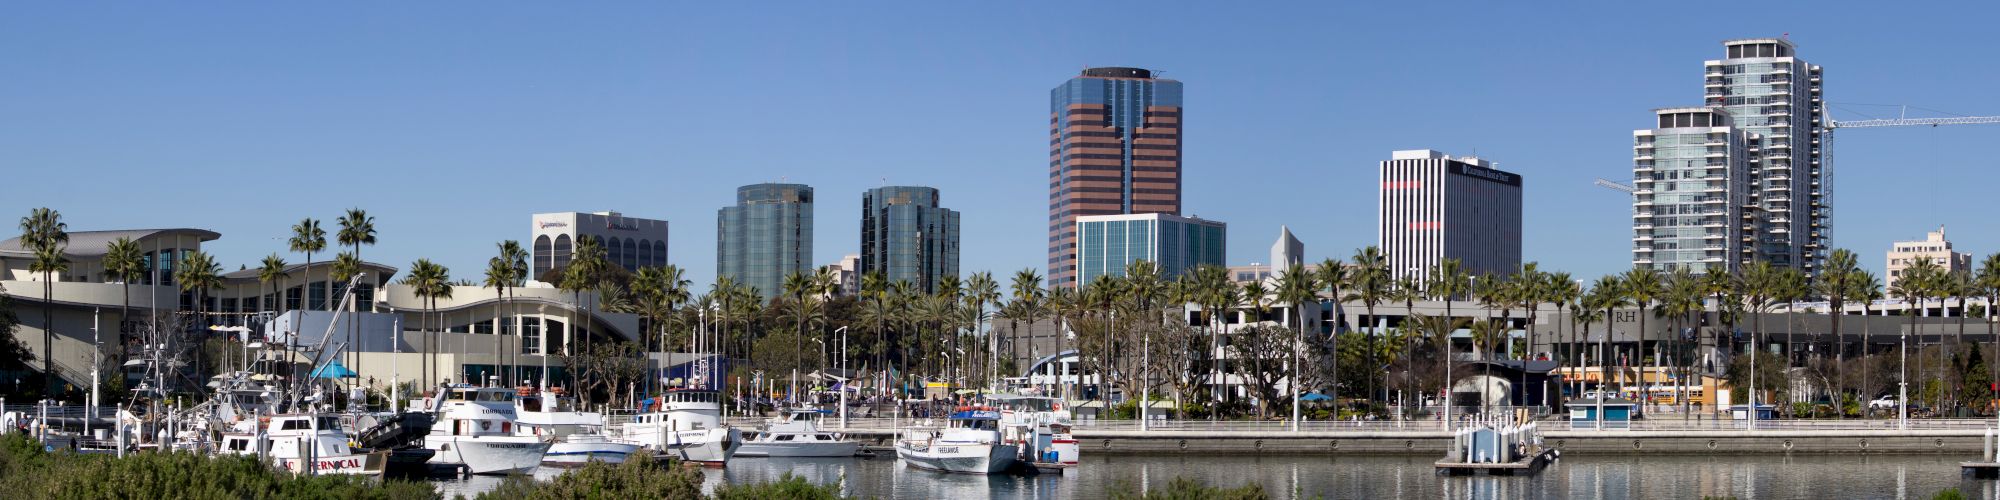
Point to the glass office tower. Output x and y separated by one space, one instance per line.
1114 148
906 236
1108 243
767 235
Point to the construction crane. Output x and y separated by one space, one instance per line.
1826 149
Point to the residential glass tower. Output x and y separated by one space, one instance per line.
1772 94
906 236
1692 172
767 235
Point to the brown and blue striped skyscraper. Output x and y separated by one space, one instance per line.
1114 148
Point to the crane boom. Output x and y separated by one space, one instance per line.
1912 122
1606 183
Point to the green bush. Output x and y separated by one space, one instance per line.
789 487
639 477
642 476
29 472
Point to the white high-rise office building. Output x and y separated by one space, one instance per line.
1772 94
1435 207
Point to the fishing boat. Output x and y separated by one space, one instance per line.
474 433
304 443
686 425
970 443
579 435
1040 427
798 435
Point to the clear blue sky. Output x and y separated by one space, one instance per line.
452 121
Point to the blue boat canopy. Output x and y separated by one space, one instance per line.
333 370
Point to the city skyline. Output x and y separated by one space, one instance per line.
252 124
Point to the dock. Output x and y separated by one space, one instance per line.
1525 465
1980 470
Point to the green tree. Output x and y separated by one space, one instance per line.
126 262
198 273
1028 306
307 237
982 291
44 233
1370 285
1834 284
1680 299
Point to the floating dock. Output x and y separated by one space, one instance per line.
1526 465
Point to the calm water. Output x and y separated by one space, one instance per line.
1637 476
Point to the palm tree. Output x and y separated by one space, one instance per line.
1216 293
423 280
1371 285
126 262
1333 275
1295 287
1064 305
516 259
198 273
1643 287
307 237
1028 294
1987 280
799 287
586 265
1760 286
1865 288
1102 293
1485 335
1834 284
499 276
1919 282
44 233
1681 297
981 291
356 228
1608 295
1565 291
1961 285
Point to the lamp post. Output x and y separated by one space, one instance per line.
843 380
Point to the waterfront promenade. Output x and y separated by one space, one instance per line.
1667 435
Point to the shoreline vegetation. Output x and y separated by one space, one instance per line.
28 471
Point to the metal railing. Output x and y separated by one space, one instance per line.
1673 423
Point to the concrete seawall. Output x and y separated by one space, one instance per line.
1719 442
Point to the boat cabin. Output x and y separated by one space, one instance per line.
980 418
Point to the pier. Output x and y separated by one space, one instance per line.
1952 436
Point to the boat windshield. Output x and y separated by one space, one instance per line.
1028 404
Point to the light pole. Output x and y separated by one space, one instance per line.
844 381
1902 384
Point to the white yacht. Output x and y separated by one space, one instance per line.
1040 426
475 432
686 425
798 435
579 435
296 442
970 443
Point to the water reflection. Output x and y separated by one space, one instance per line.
1602 477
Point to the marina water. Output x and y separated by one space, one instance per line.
1386 476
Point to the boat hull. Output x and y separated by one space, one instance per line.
580 453
959 458
365 464
711 447
488 455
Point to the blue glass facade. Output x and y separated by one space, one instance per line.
766 236
906 236
1176 244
